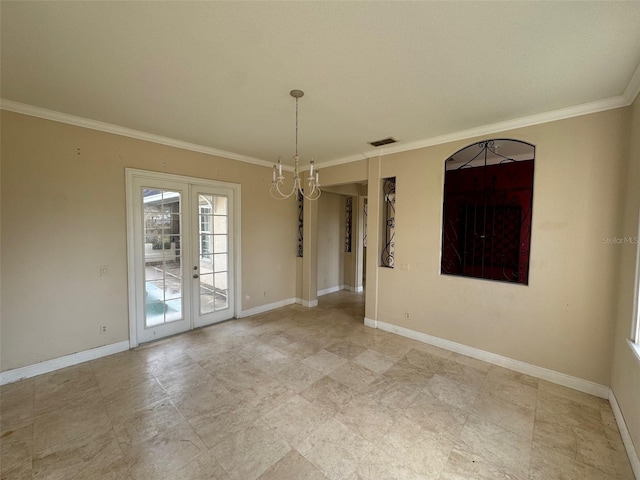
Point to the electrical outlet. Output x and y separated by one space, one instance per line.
103 329
407 315
104 270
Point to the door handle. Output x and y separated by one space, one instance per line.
195 275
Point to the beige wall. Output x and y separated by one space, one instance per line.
564 319
354 172
625 374
330 251
63 215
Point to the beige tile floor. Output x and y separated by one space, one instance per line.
302 394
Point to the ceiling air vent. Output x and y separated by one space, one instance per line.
384 141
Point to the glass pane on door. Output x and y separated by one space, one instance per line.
162 256
213 219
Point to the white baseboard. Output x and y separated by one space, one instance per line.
47 366
624 433
267 307
309 304
354 289
329 290
370 323
552 376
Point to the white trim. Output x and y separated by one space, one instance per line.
635 320
309 303
633 88
624 433
47 366
635 348
370 323
39 112
540 118
575 383
131 284
359 289
329 290
237 235
267 307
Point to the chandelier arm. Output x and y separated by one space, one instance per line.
314 194
280 196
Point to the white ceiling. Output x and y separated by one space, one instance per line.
218 74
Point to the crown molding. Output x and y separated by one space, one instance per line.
39 112
537 119
624 100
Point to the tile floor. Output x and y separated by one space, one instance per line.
302 394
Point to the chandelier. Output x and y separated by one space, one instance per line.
278 190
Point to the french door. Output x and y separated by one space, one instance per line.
213 246
182 246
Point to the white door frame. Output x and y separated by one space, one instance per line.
130 174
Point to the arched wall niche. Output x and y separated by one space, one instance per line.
487 208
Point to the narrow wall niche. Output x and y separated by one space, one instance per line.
300 224
348 224
389 222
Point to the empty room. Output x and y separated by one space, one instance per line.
271 240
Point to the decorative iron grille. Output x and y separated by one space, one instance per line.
365 212
347 226
300 223
389 199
